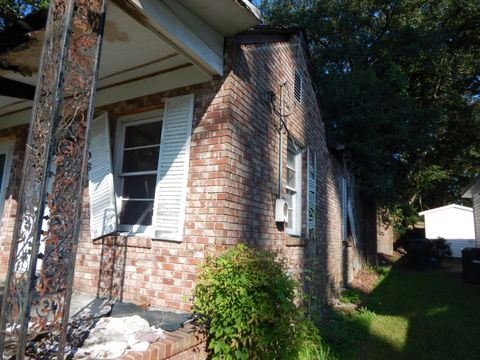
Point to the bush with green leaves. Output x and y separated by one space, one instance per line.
245 301
352 296
441 249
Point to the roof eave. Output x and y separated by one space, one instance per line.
472 189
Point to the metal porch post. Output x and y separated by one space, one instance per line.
42 257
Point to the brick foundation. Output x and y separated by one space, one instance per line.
183 344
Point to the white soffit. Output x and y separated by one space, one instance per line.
228 17
133 57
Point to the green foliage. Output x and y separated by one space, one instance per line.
245 301
381 271
12 11
425 253
309 342
399 85
441 249
352 296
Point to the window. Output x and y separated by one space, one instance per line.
138 149
294 188
6 151
144 190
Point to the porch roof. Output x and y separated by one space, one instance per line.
149 46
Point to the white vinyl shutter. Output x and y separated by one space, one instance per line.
311 192
103 212
171 189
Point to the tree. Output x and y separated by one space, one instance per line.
12 11
399 85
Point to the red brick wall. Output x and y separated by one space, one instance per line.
159 272
19 135
257 69
232 185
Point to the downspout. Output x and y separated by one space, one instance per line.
280 145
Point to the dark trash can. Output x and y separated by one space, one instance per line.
471 265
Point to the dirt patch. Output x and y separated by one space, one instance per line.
364 281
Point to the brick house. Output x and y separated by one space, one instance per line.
202 129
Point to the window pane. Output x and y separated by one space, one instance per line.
136 212
141 135
140 159
290 198
290 218
3 158
291 158
290 178
142 186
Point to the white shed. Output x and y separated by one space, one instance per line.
453 223
473 192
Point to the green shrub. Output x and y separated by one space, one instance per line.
441 249
309 343
350 296
245 300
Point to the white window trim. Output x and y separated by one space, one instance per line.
6 147
123 122
295 229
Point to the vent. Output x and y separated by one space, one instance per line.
297 88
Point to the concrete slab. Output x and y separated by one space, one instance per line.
80 301
166 320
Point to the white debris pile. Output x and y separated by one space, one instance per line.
113 337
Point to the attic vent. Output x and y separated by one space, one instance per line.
297 87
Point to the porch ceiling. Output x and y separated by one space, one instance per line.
130 52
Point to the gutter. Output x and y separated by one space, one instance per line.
251 8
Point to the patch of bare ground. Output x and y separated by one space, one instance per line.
364 281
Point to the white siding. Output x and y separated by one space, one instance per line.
476 215
458 244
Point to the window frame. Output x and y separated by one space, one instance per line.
6 147
295 229
119 148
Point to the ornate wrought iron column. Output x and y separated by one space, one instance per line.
42 258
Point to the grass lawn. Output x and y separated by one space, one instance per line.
411 315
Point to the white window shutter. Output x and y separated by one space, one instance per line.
171 189
311 192
103 212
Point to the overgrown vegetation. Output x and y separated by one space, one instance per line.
352 296
425 253
245 300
